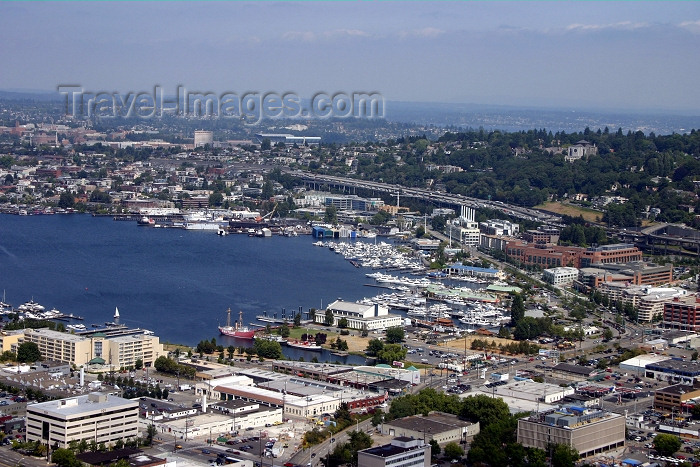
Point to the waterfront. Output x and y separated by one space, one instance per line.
176 283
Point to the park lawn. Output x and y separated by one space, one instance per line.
589 215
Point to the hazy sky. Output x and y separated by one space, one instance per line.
613 55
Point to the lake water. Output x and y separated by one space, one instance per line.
177 283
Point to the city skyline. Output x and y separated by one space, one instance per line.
627 56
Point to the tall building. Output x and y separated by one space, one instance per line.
401 452
94 417
202 138
588 431
121 351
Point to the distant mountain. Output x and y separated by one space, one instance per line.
35 95
495 117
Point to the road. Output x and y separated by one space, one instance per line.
313 455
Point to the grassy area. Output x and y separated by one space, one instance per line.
589 215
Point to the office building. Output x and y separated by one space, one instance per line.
442 427
649 301
287 138
202 138
94 417
401 452
96 349
615 253
675 397
634 273
683 313
360 316
588 431
560 276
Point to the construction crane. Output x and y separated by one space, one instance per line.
269 214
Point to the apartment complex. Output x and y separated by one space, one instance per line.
683 313
649 301
121 351
589 431
401 452
94 417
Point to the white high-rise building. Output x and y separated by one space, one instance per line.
94 417
202 138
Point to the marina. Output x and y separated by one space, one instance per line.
232 274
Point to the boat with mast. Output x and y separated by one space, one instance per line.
237 330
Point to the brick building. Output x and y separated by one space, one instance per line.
683 313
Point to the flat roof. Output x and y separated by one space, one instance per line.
676 366
644 360
63 408
515 405
389 450
519 388
434 423
576 369
678 389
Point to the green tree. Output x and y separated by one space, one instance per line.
65 458
138 364
284 330
216 199
434 448
607 334
564 456
517 310
268 190
267 349
328 321
331 216
28 352
391 353
484 409
374 346
438 223
667 444
394 335
66 200
150 434
420 231
265 145
343 323
297 320
453 451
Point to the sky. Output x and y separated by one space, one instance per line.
603 55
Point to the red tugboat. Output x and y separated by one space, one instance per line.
239 331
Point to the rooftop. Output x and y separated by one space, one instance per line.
436 422
63 408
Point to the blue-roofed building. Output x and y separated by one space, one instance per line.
460 269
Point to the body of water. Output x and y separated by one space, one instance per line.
176 283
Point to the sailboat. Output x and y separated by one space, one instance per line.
242 332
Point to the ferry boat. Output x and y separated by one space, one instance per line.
242 332
305 345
